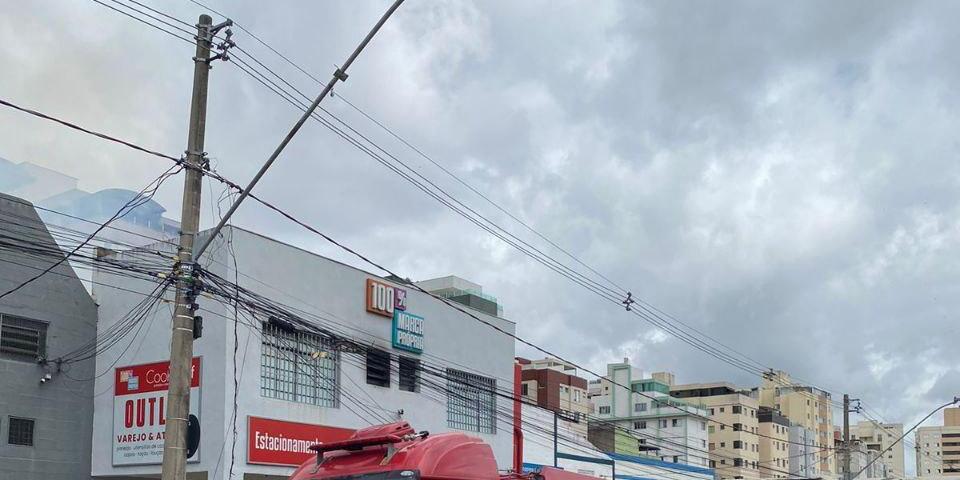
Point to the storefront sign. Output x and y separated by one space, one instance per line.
140 409
384 299
276 442
407 332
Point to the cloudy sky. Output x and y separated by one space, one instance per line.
781 176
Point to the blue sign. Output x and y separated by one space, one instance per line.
407 331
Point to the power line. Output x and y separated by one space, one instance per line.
871 462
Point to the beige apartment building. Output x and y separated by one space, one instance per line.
554 385
734 449
774 444
805 406
877 437
938 448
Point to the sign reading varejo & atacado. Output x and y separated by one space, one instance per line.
139 411
383 299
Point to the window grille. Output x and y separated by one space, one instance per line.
22 338
298 366
471 402
21 431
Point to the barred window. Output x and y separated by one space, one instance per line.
298 366
21 432
378 368
22 338
471 402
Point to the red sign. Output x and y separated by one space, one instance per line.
150 377
276 442
139 411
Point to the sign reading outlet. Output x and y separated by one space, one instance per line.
384 299
407 331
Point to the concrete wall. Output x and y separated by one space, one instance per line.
62 408
336 293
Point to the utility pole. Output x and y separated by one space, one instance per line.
181 345
846 436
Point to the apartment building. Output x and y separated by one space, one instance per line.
878 437
803 453
861 458
803 405
938 448
774 438
732 440
660 426
553 385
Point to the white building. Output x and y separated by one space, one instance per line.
938 447
664 427
577 455
295 387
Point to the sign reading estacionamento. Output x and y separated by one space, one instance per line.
277 442
407 332
383 299
140 409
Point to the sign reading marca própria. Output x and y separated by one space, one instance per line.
407 331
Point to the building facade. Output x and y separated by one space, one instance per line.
645 420
938 448
265 388
46 407
803 452
803 405
732 439
877 437
553 385
773 439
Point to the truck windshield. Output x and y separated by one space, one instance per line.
388 475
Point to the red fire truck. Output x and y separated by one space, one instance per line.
396 451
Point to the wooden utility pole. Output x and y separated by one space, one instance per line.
181 345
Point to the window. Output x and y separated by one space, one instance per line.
721 409
703 443
640 407
711 411
676 459
410 374
297 366
703 426
723 427
675 422
663 424
471 403
737 427
711 429
604 410
737 444
21 431
737 462
576 396
524 390
736 409
22 338
713 446
723 444
378 368
639 425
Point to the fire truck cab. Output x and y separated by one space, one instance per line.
396 451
